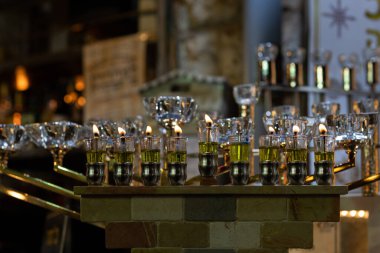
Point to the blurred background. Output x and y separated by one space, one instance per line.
81 60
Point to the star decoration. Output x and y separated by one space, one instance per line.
339 17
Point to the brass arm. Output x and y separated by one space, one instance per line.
39 202
363 182
39 183
70 173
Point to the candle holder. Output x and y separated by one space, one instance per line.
266 54
285 112
321 71
269 152
294 67
296 151
239 159
57 137
124 153
372 66
324 146
348 64
325 108
150 160
177 160
208 148
12 138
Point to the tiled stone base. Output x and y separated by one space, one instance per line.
210 219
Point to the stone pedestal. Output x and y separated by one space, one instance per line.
193 219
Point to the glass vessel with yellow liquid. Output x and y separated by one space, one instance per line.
269 152
296 152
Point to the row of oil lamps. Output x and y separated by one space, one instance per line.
294 62
295 146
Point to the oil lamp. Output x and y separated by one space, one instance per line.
95 154
296 150
294 67
348 64
269 152
150 158
372 66
208 147
266 54
177 158
124 152
321 71
239 157
324 146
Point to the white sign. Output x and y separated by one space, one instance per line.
114 70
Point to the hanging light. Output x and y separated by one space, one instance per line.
22 79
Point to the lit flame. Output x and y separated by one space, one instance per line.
22 79
271 130
121 131
208 119
322 129
148 130
95 130
296 129
177 130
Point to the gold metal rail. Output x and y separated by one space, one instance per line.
39 202
70 173
39 183
363 182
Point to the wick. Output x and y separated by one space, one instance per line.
295 135
239 132
149 139
208 131
323 133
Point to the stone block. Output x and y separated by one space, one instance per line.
314 208
262 208
105 209
263 251
157 250
287 235
186 235
234 234
131 235
247 235
209 251
210 208
157 208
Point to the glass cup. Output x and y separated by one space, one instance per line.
239 159
96 149
208 148
269 152
324 146
294 67
325 108
296 151
321 71
177 160
124 153
266 54
229 127
349 64
150 160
